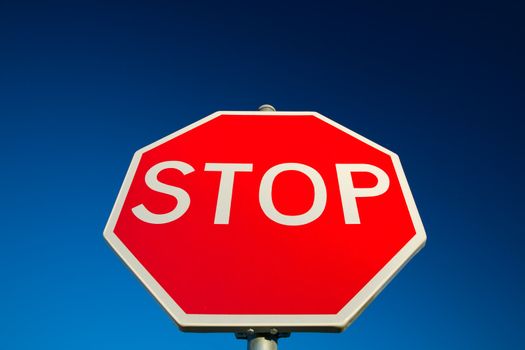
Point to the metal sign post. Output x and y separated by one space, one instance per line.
267 108
262 341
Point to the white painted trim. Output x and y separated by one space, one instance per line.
263 323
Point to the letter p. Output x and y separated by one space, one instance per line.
349 193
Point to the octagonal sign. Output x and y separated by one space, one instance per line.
264 220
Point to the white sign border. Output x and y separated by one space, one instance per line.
263 323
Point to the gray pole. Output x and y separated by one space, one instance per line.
267 108
262 341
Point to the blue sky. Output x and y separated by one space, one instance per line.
85 84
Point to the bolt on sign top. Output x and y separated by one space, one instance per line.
265 220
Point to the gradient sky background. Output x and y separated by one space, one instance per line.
83 84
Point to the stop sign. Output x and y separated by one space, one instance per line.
263 220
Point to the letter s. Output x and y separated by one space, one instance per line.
183 199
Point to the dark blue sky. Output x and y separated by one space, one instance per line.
84 84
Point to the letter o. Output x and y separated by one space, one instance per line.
266 200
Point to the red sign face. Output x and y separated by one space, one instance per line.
265 220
